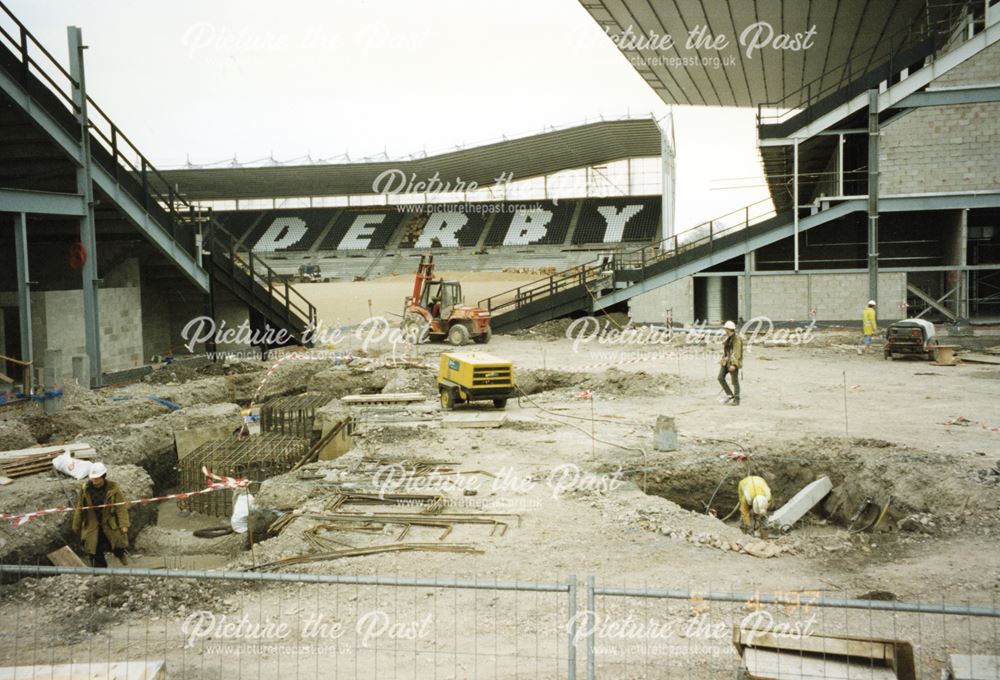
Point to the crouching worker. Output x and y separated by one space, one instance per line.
755 497
101 530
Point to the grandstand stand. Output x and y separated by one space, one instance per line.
540 223
617 220
279 230
300 231
444 229
362 229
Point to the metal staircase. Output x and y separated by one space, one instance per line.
43 145
618 277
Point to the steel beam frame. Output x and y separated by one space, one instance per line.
41 202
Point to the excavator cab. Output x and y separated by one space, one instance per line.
440 298
436 310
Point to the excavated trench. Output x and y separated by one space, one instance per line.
864 474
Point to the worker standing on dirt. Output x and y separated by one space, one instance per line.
731 363
101 530
755 497
869 326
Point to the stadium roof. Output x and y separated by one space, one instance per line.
862 32
522 158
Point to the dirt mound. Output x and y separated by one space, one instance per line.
556 328
339 381
612 382
86 605
15 434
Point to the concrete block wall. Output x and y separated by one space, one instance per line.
780 298
834 297
676 298
946 148
156 320
57 321
121 329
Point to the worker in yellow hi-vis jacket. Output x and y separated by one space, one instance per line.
755 498
869 326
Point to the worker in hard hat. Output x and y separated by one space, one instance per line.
755 498
869 326
101 529
731 363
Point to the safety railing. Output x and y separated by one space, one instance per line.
704 235
923 38
259 277
32 64
52 86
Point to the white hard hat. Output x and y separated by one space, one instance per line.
729 325
760 505
98 470
871 303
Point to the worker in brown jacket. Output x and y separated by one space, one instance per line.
101 530
731 363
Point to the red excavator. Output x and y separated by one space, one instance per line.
436 310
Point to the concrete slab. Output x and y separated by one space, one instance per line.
791 512
382 398
188 440
974 667
474 419
665 434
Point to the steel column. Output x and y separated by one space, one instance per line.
795 201
571 629
873 133
23 286
591 604
747 277
840 165
88 230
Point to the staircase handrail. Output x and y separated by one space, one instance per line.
635 259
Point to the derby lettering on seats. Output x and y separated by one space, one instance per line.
617 219
360 233
442 226
528 226
283 232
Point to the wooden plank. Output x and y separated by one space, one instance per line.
880 652
80 450
95 670
769 665
977 358
6 378
65 557
388 397
4 481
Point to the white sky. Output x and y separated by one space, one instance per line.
208 80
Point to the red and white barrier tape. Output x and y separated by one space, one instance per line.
216 483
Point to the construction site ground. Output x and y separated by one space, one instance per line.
921 439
